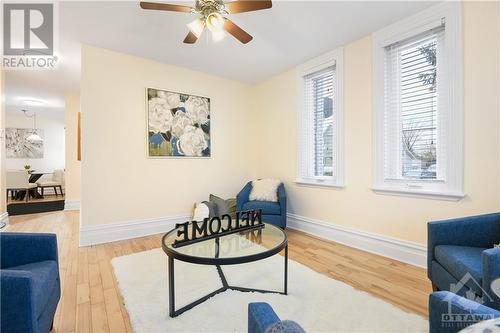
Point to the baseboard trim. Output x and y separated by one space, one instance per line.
71 204
4 218
401 250
91 235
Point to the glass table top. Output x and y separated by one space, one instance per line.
249 243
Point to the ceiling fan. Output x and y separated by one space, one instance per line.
213 15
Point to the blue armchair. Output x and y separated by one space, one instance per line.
446 310
262 319
30 284
272 212
461 257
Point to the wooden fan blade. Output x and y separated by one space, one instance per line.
165 6
236 31
190 38
242 6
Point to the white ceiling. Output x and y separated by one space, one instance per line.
284 36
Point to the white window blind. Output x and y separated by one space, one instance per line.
415 97
418 105
320 121
320 105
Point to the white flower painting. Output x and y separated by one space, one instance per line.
178 124
16 145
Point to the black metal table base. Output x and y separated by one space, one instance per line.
20 195
225 286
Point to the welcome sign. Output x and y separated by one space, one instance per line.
198 231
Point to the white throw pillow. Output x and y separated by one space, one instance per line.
265 190
201 212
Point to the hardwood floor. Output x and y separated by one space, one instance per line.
91 301
46 197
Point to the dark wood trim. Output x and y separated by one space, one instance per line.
34 207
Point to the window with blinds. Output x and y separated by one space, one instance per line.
414 96
319 101
320 121
418 123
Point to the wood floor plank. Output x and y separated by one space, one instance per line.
83 265
82 293
106 275
96 294
99 318
94 274
91 300
113 311
68 304
83 318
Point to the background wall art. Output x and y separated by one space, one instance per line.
17 146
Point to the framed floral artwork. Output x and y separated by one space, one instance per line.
178 124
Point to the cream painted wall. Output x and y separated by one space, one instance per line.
3 203
119 183
73 166
356 206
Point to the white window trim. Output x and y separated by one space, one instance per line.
452 188
304 149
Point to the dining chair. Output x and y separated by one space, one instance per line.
18 181
57 181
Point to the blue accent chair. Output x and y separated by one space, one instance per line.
263 319
30 284
445 309
272 212
462 250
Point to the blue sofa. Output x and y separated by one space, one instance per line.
30 285
461 250
446 308
262 319
272 212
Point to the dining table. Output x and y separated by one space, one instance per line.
33 193
36 175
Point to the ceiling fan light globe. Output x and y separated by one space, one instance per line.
196 27
215 22
218 35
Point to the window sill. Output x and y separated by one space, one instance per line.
319 183
448 196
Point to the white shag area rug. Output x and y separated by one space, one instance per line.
316 302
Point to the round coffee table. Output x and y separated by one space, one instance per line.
237 248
